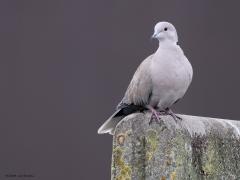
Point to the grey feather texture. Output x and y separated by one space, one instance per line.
161 79
110 124
140 87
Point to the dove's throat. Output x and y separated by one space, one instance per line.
167 43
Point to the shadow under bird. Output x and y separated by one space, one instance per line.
159 82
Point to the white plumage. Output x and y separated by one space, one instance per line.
161 79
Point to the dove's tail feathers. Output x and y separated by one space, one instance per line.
110 124
123 111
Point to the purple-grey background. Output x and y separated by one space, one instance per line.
64 65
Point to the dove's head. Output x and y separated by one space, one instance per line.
165 32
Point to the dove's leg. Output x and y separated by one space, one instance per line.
155 114
171 113
162 112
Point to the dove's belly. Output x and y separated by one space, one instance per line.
171 77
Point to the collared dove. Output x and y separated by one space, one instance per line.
160 81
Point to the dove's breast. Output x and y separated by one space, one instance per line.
171 75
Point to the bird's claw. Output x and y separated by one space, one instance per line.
174 116
154 117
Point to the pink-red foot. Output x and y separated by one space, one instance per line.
174 116
155 115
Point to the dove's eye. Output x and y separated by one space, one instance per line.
165 29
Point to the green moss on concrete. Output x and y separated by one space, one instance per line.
175 153
152 143
211 159
180 152
139 154
124 170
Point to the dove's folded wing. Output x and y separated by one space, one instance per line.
136 96
140 88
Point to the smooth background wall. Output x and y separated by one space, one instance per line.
64 66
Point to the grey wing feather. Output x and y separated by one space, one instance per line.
140 87
137 94
110 124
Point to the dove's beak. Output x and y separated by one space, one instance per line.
154 36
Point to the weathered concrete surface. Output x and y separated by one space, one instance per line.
194 148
